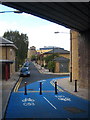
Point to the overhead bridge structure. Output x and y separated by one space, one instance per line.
73 15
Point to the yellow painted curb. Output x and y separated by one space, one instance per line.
17 85
57 86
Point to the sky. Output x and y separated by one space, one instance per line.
40 32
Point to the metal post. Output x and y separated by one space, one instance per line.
25 89
56 88
70 56
70 76
40 88
75 86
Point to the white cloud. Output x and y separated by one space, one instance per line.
40 36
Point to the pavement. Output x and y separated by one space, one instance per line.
7 86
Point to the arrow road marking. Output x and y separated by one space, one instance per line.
41 81
49 102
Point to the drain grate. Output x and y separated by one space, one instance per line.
74 109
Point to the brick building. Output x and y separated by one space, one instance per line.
31 51
7 58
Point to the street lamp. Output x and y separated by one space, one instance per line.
71 54
61 32
17 11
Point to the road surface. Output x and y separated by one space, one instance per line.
31 104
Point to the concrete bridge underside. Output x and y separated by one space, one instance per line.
73 15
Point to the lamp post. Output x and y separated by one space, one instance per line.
61 32
53 52
17 11
70 53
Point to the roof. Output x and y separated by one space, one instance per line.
58 50
73 15
61 59
48 47
5 42
43 51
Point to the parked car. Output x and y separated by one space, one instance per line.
26 64
24 72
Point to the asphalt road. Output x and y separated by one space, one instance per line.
31 105
48 105
35 76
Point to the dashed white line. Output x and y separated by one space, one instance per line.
49 102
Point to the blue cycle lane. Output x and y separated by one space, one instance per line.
47 105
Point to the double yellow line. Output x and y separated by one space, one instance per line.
20 80
17 85
34 91
52 82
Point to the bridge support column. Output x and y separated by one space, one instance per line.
84 59
80 58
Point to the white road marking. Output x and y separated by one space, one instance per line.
61 97
49 103
41 81
68 118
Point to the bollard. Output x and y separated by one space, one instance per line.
25 89
56 88
40 88
75 86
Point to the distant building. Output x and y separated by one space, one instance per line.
60 51
48 48
61 65
7 57
31 51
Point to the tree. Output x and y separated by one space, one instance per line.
21 42
33 58
51 66
50 57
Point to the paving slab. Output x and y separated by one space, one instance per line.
6 89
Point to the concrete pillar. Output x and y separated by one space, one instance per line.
84 59
80 57
74 61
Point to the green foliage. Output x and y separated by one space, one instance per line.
50 63
51 66
38 57
21 42
50 57
45 66
33 57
